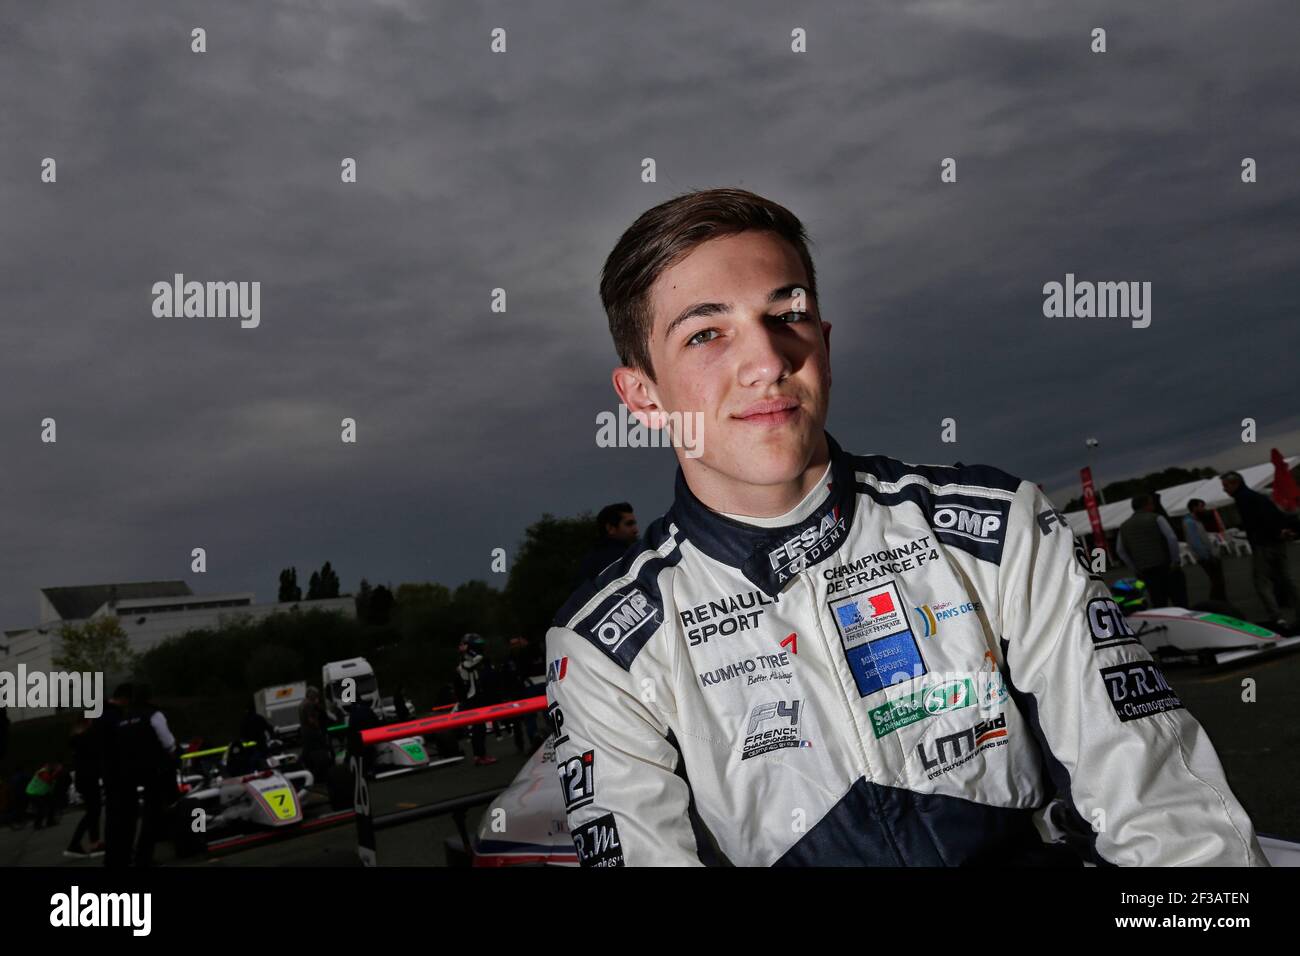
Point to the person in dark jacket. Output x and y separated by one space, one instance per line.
616 531
121 805
140 762
523 663
317 752
1146 543
87 763
1268 529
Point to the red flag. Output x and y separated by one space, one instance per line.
1285 493
1094 514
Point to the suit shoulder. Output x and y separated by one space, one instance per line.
622 608
882 470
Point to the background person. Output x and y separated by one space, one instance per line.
1268 530
616 531
475 680
1205 547
1147 544
86 766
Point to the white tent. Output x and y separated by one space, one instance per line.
1175 498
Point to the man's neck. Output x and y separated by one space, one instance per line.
723 493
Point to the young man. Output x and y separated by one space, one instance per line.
822 658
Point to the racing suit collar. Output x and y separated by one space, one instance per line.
769 557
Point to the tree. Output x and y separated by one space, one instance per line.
381 605
545 571
98 645
289 590
329 582
1156 480
362 600
323 584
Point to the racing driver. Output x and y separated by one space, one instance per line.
821 658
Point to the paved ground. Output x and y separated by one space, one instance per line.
419 844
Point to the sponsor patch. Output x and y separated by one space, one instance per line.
953 750
1107 624
936 699
773 726
556 670
869 614
930 616
578 779
1138 690
974 524
877 639
885 661
752 670
556 718
597 843
886 562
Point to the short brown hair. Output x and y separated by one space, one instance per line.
664 235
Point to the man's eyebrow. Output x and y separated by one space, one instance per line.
722 308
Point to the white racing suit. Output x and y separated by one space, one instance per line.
905 672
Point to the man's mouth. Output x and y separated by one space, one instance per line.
771 411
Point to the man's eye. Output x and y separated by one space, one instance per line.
798 316
695 339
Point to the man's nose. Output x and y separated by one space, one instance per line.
764 354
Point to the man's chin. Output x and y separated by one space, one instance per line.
770 456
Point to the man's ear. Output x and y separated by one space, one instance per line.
637 392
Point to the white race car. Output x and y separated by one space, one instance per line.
243 788
1177 634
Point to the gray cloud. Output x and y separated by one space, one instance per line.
520 171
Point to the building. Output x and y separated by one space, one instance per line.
149 612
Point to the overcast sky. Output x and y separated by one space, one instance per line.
520 170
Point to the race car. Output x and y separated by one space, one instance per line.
525 825
398 756
244 787
1212 633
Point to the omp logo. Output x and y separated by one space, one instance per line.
977 524
556 717
810 544
1108 625
624 618
556 670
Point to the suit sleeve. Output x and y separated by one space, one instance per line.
1119 744
624 802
